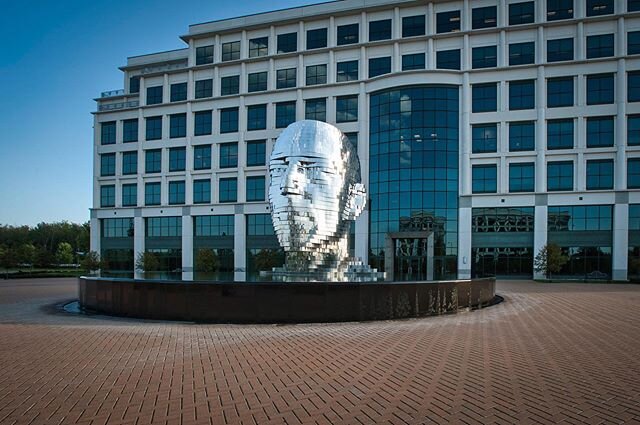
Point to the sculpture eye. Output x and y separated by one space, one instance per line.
301 170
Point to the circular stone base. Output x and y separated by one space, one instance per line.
273 302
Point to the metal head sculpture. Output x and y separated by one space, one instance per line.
315 192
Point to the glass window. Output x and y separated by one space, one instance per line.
230 51
153 161
484 178
315 109
130 162
228 155
176 193
230 85
633 130
559 9
485 97
348 34
129 195
204 88
108 133
316 39
484 57
579 218
203 122
560 50
202 157
353 138
600 89
285 114
255 188
413 61
154 95
256 117
228 189
484 138
633 42
599 132
413 26
347 108
633 86
108 164
316 74
134 84
347 71
130 130
600 174
522 136
448 59
256 153
521 13
599 7
522 53
215 225
163 227
152 194
522 177
380 30
633 173
559 92
560 134
177 159
258 47
286 78
484 17
448 21
600 46
287 42
522 95
633 5
228 120
202 191
177 125
559 175
259 225
204 55
257 82
108 196
379 66
634 216
154 128
178 92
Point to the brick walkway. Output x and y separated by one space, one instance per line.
548 354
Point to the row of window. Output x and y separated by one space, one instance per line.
412 26
560 176
316 109
600 133
598 46
228 158
227 192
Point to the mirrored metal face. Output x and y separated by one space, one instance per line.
315 190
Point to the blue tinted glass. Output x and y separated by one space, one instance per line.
560 175
522 177
559 92
600 132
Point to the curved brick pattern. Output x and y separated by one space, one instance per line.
548 354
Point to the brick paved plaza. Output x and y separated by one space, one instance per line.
553 353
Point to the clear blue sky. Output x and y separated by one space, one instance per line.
55 57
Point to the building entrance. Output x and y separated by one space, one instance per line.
409 256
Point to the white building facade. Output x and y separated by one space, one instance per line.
497 125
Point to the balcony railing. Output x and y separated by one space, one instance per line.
112 93
119 105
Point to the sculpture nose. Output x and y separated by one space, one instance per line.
291 180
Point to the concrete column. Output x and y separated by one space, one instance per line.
431 55
466 16
363 69
620 169
465 137
364 28
466 54
541 47
272 46
191 61
503 55
187 247
166 90
396 61
94 235
299 105
138 242
271 75
541 133
331 36
620 241
240 247
396 24
302 36
362 237
539 234
503 17
464 241
580 53
362 223
331 68
331 109
244 45
143 92
431 20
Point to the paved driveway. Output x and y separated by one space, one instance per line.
549 353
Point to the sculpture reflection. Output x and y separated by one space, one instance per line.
315 193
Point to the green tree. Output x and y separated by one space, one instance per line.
64 254
207 260
91 262
267 259
147 262
26 254
549 260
